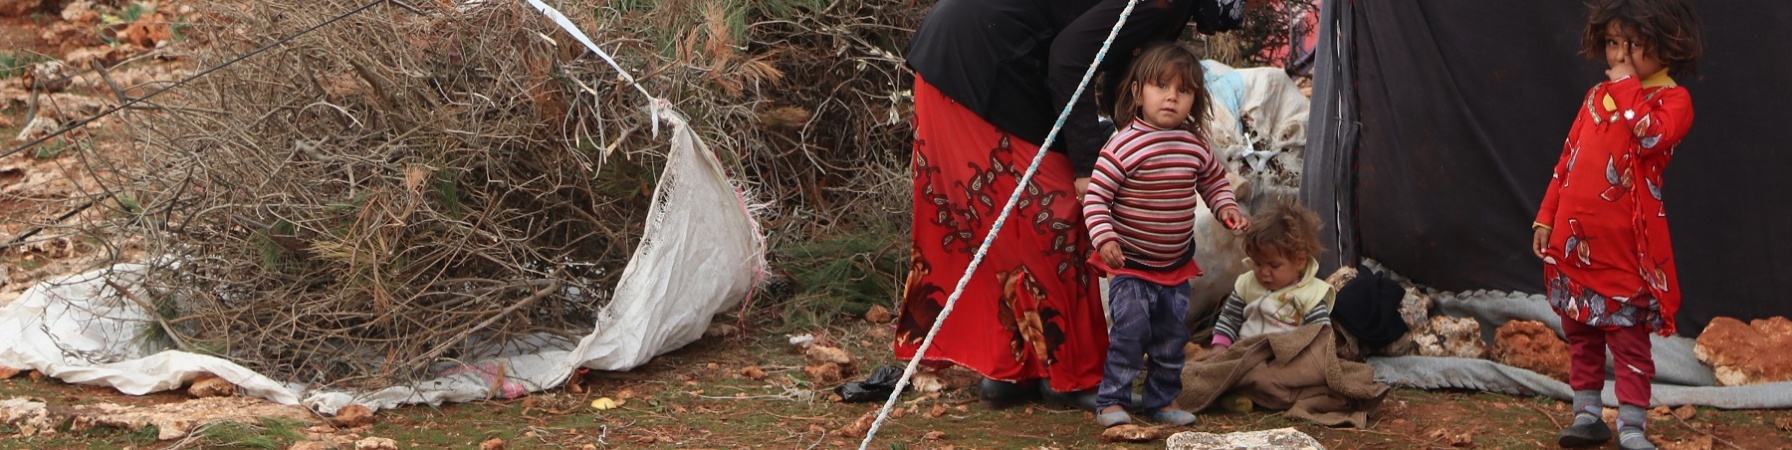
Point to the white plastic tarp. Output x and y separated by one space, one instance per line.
700 253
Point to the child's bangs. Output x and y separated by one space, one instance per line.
1183 71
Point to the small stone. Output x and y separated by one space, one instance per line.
8 372
825 373
1685 412
927 382
823 355
376 443
492 444
878 314
934 435
753 373
313 445
857 428
1131 433
1534 346
211 386
353 416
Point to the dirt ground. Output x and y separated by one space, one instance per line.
706 396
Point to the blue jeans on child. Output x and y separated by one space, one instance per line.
1148 320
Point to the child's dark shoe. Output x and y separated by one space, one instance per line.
1173 418
1630 438
1587 430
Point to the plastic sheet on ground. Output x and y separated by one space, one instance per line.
700 253
1680 379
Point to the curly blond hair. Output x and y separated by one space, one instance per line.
1284 228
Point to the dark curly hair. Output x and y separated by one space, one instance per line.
1284 228
1666 29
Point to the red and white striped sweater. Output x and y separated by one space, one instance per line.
1142 194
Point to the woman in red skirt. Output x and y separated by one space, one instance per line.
990 79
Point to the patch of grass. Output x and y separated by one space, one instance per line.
145 436
135 11
843 275
12 62
50 149
266 433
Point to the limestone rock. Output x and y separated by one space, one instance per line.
29 417
1529 344
1451 336
176 420
1277 439
211 386
1131 433
1341 277
352 416
1744 354
1415 308
312 445
824 354
376 443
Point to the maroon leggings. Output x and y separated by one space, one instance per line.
1632 365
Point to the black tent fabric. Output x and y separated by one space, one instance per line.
1436 124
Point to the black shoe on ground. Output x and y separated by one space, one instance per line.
1593 433
1083 400
998 394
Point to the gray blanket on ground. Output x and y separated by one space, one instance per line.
1680 379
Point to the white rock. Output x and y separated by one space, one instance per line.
376 443
1277 439
31 418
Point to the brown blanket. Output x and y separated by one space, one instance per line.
1298 371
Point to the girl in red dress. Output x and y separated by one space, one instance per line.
1602 232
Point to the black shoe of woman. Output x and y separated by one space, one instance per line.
997 394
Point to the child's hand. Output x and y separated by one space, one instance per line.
1540 241
1621 70
1110 254
1234 219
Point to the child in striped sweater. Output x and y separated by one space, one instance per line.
1140 209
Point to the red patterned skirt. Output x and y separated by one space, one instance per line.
1032 309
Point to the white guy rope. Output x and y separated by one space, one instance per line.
657 103
977 260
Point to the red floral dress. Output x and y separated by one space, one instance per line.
1609 261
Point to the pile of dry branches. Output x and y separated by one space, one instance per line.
417 185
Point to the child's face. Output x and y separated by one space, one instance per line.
1164 102
1622 46
1277 270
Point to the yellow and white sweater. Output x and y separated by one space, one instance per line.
1306 301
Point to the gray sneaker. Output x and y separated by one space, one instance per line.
1633 439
